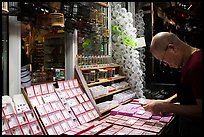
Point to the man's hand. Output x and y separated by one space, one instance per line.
155 106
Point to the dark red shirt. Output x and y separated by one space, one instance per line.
191 79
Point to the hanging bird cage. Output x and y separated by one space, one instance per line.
43 21
55 6
57 20
5 8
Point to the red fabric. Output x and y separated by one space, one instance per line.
192 74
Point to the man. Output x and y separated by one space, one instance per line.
175 53
26 24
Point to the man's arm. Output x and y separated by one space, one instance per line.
192 111
171 99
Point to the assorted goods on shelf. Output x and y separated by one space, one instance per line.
107 86
60 109
44 109
18 118
89 61
132 119
101 91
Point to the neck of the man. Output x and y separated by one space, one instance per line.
188 51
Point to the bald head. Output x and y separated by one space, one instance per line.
161 40
168 48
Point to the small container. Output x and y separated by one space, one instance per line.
92 76
109 72
97 75
86 75
103 73
113 72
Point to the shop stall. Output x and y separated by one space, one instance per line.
88 66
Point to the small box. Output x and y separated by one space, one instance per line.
65 114
53 97
115 128
130 122
3 115
4 124
50 87
136 132
70 94
26 130
51 130
76 83
71 84
74 91
35 127
46 121
30 116
37 90
160 124
75 110
79 90
86 117
8 109
59 116
64 94
21 118
120 122
81 119
58 129
44 89
72 102
156 117
60 105
80 99
46 98
165 119
70 132
53 118
85 105
95 113
30 91
90 104
146 115
81 108
149 122
54 106
125 131
87 133
48 108
85 97
90 114
108 132
140 122
6 132
12 121
77 130
149 133
34 101
155 129
40 99
61 85
65 125
16 131
146 127
66 85
41 110
71 123
20 103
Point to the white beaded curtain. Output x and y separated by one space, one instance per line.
124 44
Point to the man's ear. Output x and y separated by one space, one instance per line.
172 47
